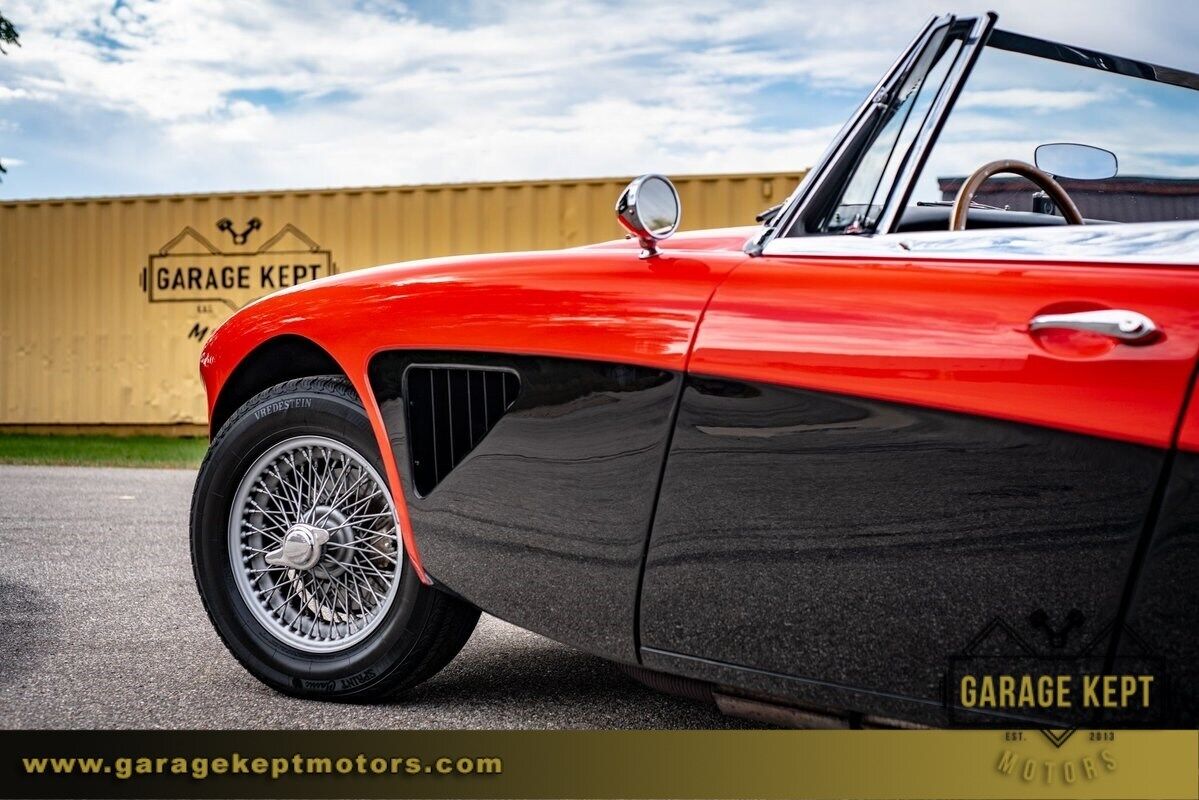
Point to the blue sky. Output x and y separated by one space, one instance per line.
203 95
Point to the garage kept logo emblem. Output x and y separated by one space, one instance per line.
1048 670
1053 671
191 269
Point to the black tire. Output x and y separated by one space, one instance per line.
420 633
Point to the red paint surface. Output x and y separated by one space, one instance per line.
953 335
1188 432
727 239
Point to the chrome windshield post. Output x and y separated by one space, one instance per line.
849 131
913 162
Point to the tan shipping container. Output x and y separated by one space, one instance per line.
105 302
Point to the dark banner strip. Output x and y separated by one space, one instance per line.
600 764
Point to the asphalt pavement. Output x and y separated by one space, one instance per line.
101 627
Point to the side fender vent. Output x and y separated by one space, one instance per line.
450 409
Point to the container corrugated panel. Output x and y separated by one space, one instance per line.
102 317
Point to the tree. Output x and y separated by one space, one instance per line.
9 36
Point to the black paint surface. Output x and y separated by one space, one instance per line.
846 549
1163 618
544 522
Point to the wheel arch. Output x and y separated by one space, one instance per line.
281 358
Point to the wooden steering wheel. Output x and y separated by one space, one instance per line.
961 205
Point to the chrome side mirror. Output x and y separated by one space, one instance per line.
649 209
1078 161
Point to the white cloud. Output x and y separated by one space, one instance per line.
23 94
206 94
1035 99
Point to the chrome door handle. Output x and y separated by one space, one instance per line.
1129 327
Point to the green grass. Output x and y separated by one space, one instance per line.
102 451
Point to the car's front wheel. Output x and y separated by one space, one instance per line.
298 556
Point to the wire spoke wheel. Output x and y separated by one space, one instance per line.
314 545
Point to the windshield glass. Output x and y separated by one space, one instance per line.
1014 101
868 188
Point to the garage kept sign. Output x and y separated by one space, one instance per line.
191 269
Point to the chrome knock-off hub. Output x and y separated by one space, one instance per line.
301 548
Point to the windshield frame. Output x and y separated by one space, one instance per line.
836 152
896 149
1092 59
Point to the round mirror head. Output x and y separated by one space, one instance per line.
1077 161
649 209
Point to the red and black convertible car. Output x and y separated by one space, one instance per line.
918 424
